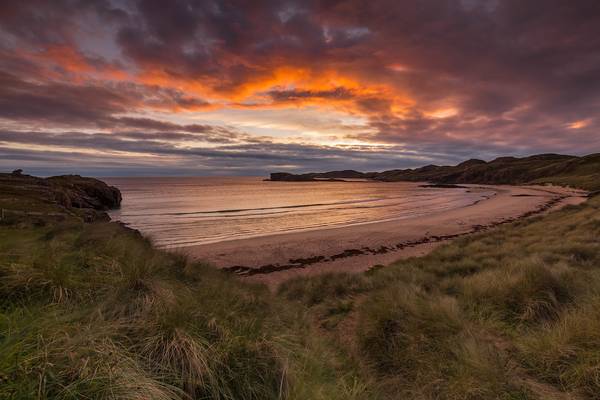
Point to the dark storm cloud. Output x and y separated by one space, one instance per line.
228 43
167 130
291 95
90 105
21 100
44 23
440 79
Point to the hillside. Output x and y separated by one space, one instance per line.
581 172
511 313
91 310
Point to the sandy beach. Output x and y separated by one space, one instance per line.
276 258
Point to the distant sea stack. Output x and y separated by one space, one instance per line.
582 172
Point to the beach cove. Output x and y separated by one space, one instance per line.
276 258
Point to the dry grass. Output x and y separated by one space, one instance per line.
527 291
506 314
421 347
94 311
566 352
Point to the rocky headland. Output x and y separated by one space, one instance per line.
73 194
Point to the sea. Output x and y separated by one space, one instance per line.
179 212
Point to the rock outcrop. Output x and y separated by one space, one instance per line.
77 191
90 197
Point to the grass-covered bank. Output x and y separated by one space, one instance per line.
511 313
93 311
90 310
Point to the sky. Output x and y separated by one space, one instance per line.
183 87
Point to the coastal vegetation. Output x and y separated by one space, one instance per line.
90 309
581 172
511 313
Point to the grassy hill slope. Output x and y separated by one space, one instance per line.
507 314
93 311
581 172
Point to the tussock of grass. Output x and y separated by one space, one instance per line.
525 292
62 359
567 352
422 348
331 297
408 331
316 290
94 311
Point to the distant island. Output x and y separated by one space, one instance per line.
581 172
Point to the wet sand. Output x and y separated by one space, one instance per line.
276 258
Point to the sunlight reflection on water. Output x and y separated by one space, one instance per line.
179 212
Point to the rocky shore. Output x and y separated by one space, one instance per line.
89 197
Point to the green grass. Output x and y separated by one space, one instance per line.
323 288
94 311
566 352
421 346
507 314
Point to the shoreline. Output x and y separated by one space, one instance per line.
334 226
356 248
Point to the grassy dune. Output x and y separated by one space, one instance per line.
508 314
93 311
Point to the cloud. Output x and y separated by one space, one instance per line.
21 100
295 94
443 80
84 105
141 153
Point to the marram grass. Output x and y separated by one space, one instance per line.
511 313
93 311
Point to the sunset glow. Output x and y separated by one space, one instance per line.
211 87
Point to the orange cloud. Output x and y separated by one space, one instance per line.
76 64
255 91
579 124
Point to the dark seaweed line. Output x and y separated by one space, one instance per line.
305 262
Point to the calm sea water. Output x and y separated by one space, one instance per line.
178 212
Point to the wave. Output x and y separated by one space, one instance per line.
415 198
239 210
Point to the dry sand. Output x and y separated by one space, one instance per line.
276 258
